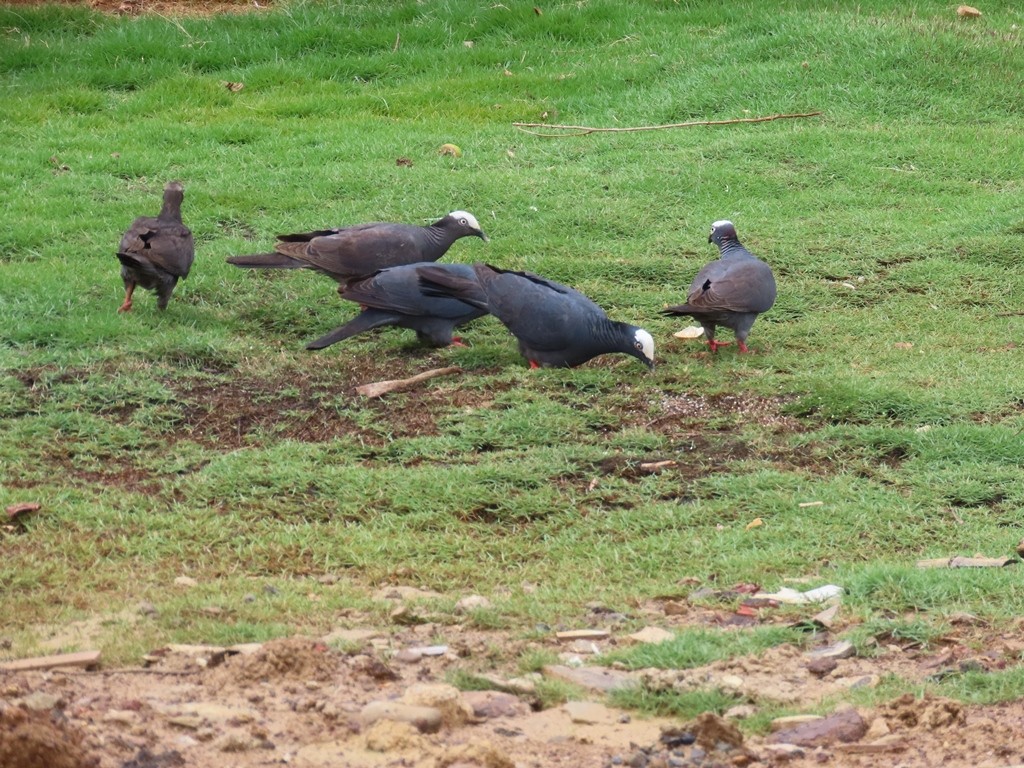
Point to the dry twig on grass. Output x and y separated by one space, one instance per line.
583 130
378 388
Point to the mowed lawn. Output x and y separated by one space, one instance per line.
206 442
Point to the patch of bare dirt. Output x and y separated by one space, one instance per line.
707 437
162 7
307 407
693 409
31 739
229 413
116 473
311 403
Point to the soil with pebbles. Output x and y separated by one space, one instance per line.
300 701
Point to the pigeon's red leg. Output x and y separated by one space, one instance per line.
534 364
128 291
457 342
743 346
716 344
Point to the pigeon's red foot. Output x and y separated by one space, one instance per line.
457 342
743 347
129 289
534 364
714 345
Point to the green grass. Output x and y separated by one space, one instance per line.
205 441
700 646
682 704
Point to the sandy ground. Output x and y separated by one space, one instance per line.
385 699
380 696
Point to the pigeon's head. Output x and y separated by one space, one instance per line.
174 191
643 347
721 232
466 224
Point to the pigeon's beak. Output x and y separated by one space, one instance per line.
650 365
483 236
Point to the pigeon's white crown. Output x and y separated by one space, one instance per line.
646 341
469 217
721 223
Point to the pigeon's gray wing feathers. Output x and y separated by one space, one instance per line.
398 289
364 321
733 286
166 245
395 297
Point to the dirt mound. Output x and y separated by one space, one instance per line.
930 712
30 739
291 658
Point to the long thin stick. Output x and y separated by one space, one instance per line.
378 388
583 130
136 671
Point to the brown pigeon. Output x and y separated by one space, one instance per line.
356 252
156 252
732 291
556 326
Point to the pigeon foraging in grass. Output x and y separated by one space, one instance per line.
394 297
731 291
555 325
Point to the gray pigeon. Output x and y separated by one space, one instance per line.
352 253
732 291
156 252
394 296
556 326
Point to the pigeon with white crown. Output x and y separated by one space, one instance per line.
556 326
356 252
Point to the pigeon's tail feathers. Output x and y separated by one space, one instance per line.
266 261
365 321
142 266
437 281
681 309
141 271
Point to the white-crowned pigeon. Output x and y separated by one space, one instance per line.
394 296
731 291
556 326
352 253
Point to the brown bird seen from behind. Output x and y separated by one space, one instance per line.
157 251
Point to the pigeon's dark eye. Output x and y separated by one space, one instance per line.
639 346
463 222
